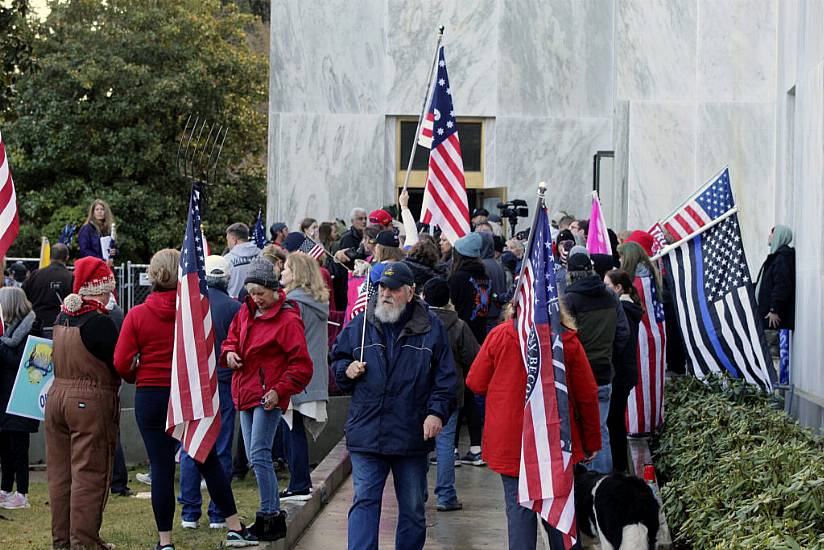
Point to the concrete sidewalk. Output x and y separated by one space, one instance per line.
481 523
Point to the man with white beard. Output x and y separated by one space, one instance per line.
402 378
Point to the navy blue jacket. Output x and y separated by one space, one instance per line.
223 308
409 374
88 239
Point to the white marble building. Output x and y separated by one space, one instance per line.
676 88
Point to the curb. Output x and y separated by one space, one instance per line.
326 478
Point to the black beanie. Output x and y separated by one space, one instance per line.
436 292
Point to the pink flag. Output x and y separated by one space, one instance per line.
598 238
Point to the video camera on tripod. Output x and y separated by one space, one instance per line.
513 210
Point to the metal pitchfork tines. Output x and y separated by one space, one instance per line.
198 151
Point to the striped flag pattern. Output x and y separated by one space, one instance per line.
9 222
366 291
712 200
715 302
313 249
659 239
645 404
193 414
444 198
545 482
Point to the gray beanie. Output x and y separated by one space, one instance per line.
262 272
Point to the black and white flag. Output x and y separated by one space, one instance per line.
715 301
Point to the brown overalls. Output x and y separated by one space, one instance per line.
82 419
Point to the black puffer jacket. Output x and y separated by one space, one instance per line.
463 343
776 287
12 344
625 359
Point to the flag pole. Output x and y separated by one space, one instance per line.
423 107
365 311
541 204
669 248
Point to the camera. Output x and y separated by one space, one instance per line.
513 210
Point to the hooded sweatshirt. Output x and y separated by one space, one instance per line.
240 256
601 323
315 316
148 332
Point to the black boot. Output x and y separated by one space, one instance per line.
273 526
257 526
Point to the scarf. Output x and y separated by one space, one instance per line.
75 305
782 235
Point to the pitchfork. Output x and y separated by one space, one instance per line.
198 151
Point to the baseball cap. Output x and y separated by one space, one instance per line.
217 266
380 217
397 274
388 237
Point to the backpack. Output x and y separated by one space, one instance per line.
482 298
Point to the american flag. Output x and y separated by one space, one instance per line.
546 473
258 231
645 404
444 198
193 415
313 249
366 291
710 202
9 222
716 308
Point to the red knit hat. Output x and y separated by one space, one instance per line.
380 217
92 276
643 238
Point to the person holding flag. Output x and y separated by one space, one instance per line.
538 439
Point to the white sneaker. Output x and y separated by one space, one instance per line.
4 496
145 479
188 524
16 502
216 525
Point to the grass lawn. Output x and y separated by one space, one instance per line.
127 522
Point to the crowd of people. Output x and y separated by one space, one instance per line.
419 330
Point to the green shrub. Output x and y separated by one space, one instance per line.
737 473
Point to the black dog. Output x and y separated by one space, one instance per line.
621 509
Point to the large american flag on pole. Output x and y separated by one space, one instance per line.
193 415
444 198
708 203
9 222
546 473
645 404
715 302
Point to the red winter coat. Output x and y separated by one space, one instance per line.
148 329
272 348
498 373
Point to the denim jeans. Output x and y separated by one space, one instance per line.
297 453
258 426
522 523
190 497
445 451
603 462
369 472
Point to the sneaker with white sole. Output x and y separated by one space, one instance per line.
241 539
188 524
473 458
4 496
145 479
295 496
217 525
16 502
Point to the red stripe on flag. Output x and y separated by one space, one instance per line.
676 234
694 215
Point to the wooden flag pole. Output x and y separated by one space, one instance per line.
669 248
432 71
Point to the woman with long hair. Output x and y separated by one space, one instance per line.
423 260
144 356
266 349
98 224
498 373
15 431
303 284
625 363
309 227
651 341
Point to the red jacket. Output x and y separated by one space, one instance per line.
148 329
498 373
273 351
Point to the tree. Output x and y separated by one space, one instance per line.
17 32
102 113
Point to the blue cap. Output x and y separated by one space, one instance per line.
469 246
397 274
